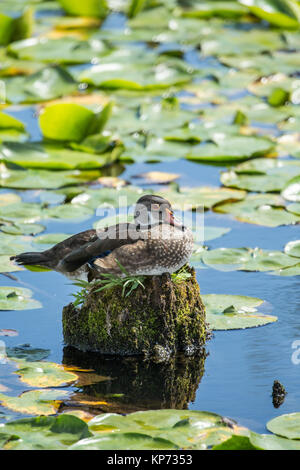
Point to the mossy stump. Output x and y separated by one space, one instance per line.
164 318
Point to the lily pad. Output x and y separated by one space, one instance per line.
96 8
287 425
260 209
44 374
7 266
293 248
53 156
246 259
201 196
44 433
17 298
235 148
66 50
42 179
46 84
283 13
230 312
34 402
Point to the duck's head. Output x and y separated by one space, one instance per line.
152 210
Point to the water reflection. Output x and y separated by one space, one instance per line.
127 384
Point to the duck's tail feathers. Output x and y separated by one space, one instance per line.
31 258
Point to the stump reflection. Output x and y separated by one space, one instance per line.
128 384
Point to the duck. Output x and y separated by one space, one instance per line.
153 244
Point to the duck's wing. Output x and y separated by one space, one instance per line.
106 241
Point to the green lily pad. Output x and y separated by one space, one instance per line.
67 50
283 13
287 425
238 42
136 70
7 266
34 402
230 312
26 352
11 245
66 121
17 298
51 238
46 84
52 156
96 8
201 196
260 209
16 228
108 197
235 148
236 443
15 26
224 9
293 248
42 179
44 433
271 442
184 428
291 190
294 208
247 259
126 440
44 374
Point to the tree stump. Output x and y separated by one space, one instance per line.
164 318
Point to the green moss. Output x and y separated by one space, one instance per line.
164 316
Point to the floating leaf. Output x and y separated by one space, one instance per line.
235 148
51 238
7 266
126 440
66 121
287 425
44 374
17 298
26 352
201 196
96 8
231 259
224 9
52 156
283 13
34 402
260 209
46 84
230 312
42 179
66 50
293 248
45 433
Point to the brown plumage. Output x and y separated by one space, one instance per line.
155 243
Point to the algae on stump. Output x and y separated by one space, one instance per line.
160 320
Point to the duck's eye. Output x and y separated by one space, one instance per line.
137 213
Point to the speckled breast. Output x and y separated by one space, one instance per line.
170 248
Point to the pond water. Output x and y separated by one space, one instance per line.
241 365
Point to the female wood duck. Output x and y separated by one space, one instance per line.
155 243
